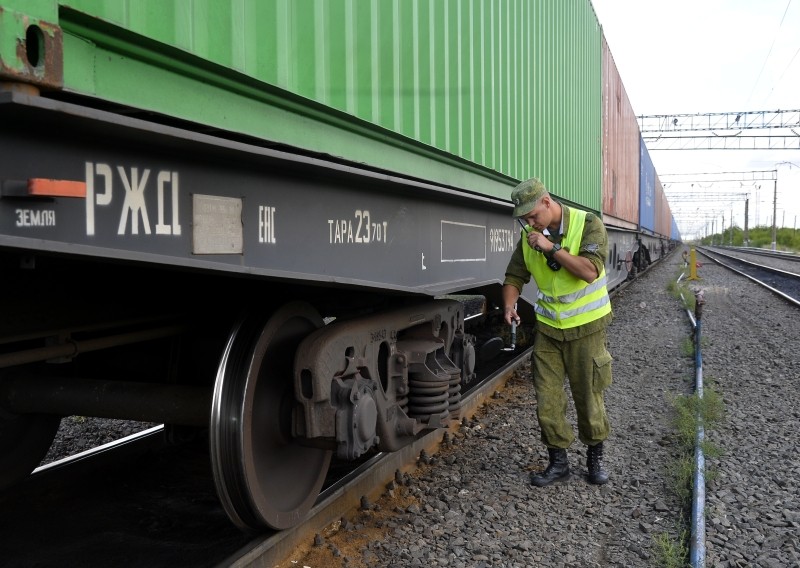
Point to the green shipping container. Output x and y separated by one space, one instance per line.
474 94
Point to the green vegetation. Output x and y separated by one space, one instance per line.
680 290
690 411
687 347
671 554
786 239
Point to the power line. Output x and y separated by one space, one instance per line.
774 39
784 73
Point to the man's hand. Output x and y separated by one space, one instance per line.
511 316
539 242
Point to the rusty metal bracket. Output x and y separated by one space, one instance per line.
38 52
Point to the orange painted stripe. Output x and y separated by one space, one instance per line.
56 187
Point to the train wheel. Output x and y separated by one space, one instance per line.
24 441
263 479
628 261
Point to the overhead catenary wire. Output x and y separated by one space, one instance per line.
784 73
769 53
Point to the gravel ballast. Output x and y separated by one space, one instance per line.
472 504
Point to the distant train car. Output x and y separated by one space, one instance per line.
249 218
634 207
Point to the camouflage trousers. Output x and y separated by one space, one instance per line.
586 362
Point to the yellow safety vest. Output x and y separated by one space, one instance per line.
564 300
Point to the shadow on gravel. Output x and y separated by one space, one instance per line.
158 509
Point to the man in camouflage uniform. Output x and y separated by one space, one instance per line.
564 249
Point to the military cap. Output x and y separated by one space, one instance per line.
525 196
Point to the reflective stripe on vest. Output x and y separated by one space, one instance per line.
563 299
572 313
568 298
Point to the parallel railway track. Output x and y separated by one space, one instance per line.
784 283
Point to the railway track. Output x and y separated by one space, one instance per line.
781 258
478 508
362 485
253 230
151 496
143 499
762 269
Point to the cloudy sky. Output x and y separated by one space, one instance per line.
713 56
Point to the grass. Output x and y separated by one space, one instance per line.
687 346
671 554
680 290
690 411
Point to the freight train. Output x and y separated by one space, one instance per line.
254 219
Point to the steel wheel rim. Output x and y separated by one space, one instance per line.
262 477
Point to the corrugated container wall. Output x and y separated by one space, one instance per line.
659 205
663 213
675 234
482 93
620 149
647 189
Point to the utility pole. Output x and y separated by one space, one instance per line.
774 213
745 236
731 239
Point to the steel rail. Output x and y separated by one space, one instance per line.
777 292
368 482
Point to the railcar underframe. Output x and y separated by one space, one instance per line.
293 306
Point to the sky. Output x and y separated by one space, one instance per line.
713 56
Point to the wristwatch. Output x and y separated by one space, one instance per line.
554 250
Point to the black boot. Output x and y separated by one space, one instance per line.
594 463
557 470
